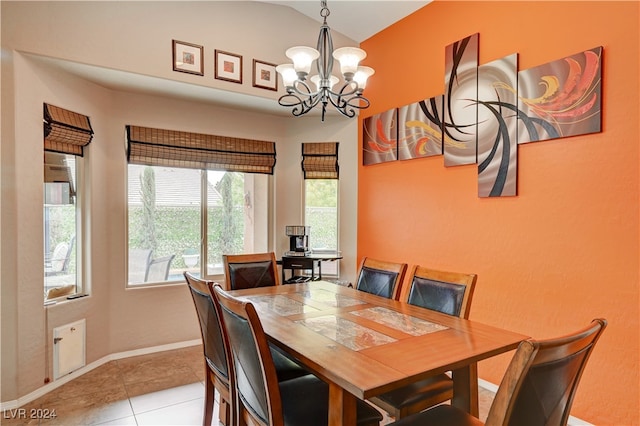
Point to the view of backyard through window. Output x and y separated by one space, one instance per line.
168 234
60 226
321 214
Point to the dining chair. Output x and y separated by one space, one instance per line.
60 259
537 389
447 292
158 269
259 398
139 260
215 360
380 277
250 270
215 355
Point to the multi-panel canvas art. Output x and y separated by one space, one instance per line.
379 138
487 110
460 102
561 98
420 129
497 127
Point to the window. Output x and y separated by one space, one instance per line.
192 198
179 216
321 214
61 225
66 134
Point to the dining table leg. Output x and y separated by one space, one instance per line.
342 407
465 389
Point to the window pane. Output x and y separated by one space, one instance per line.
164 223
237 216
321 214
60 226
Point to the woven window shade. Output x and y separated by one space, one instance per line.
320 160
169 148
66 131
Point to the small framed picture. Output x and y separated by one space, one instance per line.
228 66
264 75
188 57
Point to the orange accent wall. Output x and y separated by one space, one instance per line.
565 250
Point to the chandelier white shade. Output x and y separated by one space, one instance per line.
302 97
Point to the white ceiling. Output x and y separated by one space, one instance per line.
357 20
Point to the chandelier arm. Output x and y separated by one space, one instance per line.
298 85
353 86
300 104
342 106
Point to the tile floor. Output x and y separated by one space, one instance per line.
164 388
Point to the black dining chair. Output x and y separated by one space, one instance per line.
215 356
215 360
380 277
537 389
447 292
250 270
260 399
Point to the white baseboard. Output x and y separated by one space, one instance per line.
16 403
573 421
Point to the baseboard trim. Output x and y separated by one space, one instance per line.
16 403
573 421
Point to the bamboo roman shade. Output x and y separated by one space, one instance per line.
66 131
170 148
320 160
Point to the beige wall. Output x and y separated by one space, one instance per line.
132 37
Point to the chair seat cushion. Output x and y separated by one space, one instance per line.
305 401
442 415
419 391
286 367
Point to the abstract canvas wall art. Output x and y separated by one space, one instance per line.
561 98
460 101
379 138
487 110
497 127
420 129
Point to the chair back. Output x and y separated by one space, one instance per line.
139 260
250 270
380 277
158 269
61 258
442 291
541 380
212 336
254 377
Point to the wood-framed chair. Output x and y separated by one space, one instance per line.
537 389
260 399
259 270
250 270
215 354
215 359
447 292
380 277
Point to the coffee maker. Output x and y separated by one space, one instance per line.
298 240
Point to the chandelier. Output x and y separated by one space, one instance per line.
302 97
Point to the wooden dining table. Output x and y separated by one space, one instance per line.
364 345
